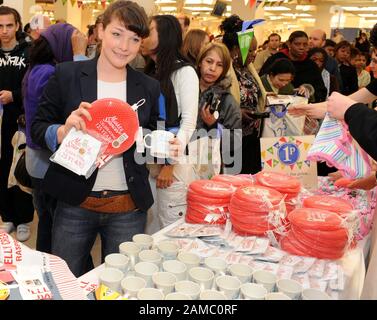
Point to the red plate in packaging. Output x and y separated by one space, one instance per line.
115 122
212 189
235 181
312 218
329 203
256 194
278 181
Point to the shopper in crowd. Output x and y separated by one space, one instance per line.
306 70
247 84
347 72
359 61
217 107
16 207
38 24
362 43
52 47
329 46
317 39
179 102
278 79
194 41
114 200
320 57
272 48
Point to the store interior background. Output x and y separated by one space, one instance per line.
282 16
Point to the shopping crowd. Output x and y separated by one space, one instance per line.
51 73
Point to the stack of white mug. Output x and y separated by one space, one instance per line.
146 272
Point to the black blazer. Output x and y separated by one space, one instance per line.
72 83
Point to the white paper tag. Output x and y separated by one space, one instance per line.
228 227
78 152
260 246
291 260
304 265
318 268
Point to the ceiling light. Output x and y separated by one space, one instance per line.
360 8
198 8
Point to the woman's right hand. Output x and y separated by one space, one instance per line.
247 114
76 120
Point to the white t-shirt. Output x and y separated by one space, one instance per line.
111 176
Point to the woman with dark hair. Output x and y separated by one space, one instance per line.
319 56
114 200
279 77
52 47
217 107
194 41
179 102
305 69
247 84
348 73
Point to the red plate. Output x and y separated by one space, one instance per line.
253 193
212 189
114 122
235 181
278 181
310 218
329 203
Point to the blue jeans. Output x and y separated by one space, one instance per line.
75 230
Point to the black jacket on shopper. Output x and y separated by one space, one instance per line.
72 83
306 72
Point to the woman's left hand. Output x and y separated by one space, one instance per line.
165 178
338 104
367 183
207 116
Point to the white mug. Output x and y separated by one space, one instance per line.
265 278
111 278
217 265
242 271
117 261
145 270
168 249
190 288
190 259
177 296
291 288
202 276
160 146
212 295
176 267
164 281
144 241
132 285
229 285
131 250
253 291
314 294
150 256
277 296
150 294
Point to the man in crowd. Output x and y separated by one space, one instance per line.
16 207
272 47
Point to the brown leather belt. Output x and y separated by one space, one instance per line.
109 202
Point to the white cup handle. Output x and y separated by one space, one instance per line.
145 142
